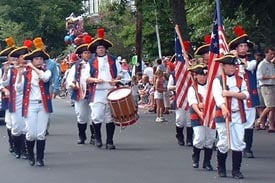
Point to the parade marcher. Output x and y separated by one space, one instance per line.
240 47
103 75
229 91
5 93
266 78
34 80
77 81
204 137
53 67
15 100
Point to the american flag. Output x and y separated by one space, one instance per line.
218 47
183 78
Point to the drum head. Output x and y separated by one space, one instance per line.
118 93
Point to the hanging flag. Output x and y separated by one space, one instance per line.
183 78
218 48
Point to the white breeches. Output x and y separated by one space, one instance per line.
236 134
17 122
8 119
36 122
182 118
82 111
204 137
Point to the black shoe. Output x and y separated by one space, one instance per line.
189 144
17 156
195 165
110 146
237 175
31 162
180 140
92 141
11 149
222 173
207 166
24 156
98 143
248 154
40 163
81 141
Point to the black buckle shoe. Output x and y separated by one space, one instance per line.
110 146
81 141
237 175
248 154
92 141
17 156
40 163
31 162
98 143
195 164
222 173
207 166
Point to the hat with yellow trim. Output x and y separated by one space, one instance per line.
22 50
199 69
100 41
84 47
39 51
204 48
242 38
10 46
230 59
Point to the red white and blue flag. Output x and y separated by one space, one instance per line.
182 76
218 48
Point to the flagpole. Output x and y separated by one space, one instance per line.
181 43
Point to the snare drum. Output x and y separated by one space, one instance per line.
123 107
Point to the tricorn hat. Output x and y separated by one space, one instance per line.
242 37
84 47
199 69
99 41
230 59
10 46
39 51
204 48
22 50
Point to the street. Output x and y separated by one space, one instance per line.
147 152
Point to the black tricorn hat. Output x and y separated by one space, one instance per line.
204 48
26 48
230 59
10 46
242 38
100 41
199 69
37 53
84 47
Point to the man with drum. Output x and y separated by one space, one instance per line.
103 75
76 80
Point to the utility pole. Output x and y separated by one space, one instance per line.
139 24
157 31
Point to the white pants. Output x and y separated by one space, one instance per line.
17 122
236 128
250 114
36 122
82 111
182 118
101 112
204 137
8 119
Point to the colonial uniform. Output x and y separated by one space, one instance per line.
104 68
235 130
37 104
204 137
77 77
248 72
15 102
11 46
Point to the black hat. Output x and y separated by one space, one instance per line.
22 50
230 59
242 38
10 46
86 39
100 41
37 53
199 69
204 48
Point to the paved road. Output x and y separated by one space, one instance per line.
146 153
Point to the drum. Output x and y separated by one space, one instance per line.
123 107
